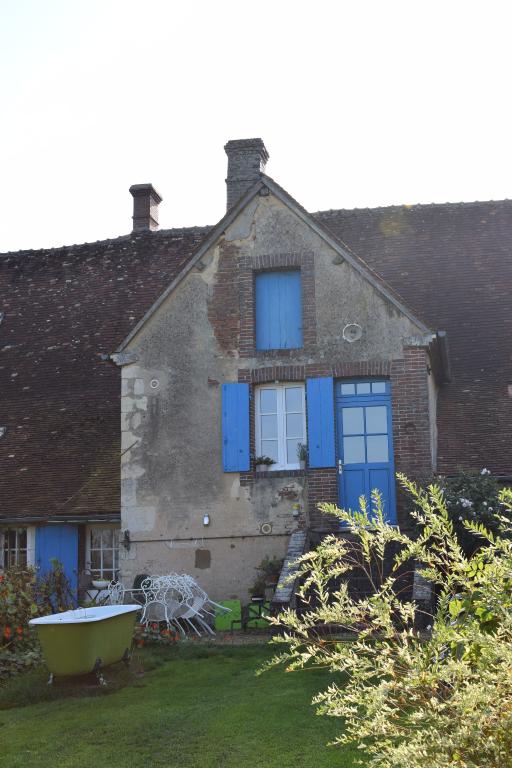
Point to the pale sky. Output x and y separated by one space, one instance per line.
359 103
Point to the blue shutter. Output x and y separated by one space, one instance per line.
235 428
320 406
278 310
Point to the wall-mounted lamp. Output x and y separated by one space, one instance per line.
296 510
206 519
126 540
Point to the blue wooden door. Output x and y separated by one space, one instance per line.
365 444
60 542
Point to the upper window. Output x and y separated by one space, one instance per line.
280 423
103 552
278 310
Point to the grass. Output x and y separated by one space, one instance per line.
186 706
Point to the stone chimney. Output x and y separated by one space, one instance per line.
246 161
145 207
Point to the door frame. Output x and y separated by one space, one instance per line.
384 398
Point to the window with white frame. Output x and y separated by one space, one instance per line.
16 547
280 423
102 551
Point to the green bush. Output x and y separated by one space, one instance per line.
23 596
471 497
410 699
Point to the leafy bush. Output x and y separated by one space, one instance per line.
53 590
412 700
18 605
23 596
471 497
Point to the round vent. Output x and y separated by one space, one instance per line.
154 383
352 332
266 528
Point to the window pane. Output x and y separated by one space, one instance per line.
95 538
353 450
107 558
22 557
294 425
353 422
291 451
293 397
95 560
269 448
378 387
106 536
268 401
377 448
376 418
348 389
269 427
116 532
363 389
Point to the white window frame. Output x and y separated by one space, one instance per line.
281 422
107 573
31 543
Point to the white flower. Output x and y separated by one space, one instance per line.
466 503
485 471
484 503
490 509
460 518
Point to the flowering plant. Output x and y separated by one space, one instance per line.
154 634
471 497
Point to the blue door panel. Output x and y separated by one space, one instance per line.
365 445
59 542
278 310
354 487
380 479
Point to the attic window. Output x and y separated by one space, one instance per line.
278 310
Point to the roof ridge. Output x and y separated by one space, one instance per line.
408 206
174 231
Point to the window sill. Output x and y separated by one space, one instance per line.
281 473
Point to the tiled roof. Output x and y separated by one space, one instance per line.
65 307
60 403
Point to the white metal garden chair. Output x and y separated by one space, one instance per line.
115 593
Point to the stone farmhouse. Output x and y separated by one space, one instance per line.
141 376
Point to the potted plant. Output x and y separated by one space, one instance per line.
262 463
267 576
302 454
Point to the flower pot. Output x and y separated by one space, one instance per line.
302 464
100 583
261 467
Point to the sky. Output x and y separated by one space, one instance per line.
360 104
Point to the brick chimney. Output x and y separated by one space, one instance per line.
145 207
246 161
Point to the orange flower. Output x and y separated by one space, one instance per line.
19 630
7 632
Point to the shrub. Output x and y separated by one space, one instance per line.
23 596
411 700
471 497
18 648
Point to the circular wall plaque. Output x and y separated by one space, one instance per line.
352 332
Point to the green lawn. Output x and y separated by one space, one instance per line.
189 706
